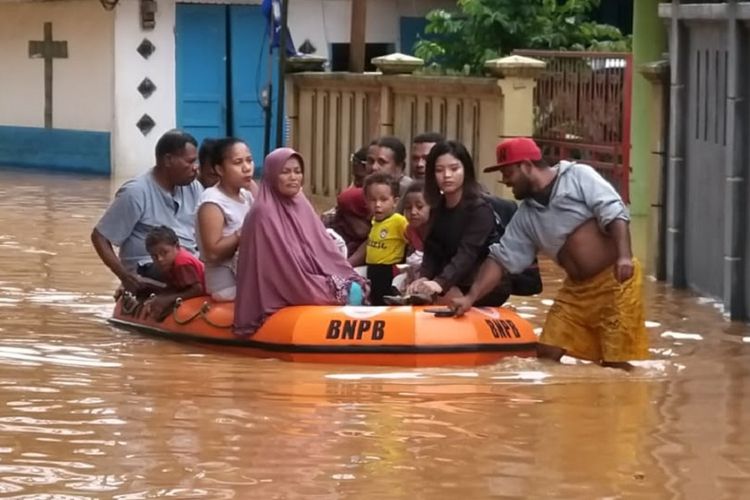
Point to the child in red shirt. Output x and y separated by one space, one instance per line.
417 212
182 272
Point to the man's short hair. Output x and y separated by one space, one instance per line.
395 145
173 142
428 137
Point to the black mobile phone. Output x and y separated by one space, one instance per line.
441 312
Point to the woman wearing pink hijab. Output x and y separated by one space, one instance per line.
286 257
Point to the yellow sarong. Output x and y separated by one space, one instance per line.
599 319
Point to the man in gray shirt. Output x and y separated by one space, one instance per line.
166 195
575 217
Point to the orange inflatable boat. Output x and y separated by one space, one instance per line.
389 336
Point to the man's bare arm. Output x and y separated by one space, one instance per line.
489 276
358 257
107 254
619 229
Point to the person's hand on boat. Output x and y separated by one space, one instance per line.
429 288
414 286
134 283
425 287
460 305
158 306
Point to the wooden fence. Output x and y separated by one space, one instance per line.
331 115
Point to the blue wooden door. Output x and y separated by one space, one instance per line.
249 68
201 59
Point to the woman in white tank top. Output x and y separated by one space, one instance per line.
221 211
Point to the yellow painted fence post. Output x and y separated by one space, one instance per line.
517 76
657 73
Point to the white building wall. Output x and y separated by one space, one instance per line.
82 83
322 21
95 87
132 152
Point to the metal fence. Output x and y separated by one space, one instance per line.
582 107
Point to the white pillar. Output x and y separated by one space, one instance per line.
132 152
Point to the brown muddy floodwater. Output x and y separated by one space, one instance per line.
89 411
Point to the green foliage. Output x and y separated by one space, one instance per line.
486 29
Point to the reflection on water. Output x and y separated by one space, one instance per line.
92 412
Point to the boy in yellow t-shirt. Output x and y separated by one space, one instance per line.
386 243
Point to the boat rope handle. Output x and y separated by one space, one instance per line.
202 312
129 304
178 303
204 315
128 310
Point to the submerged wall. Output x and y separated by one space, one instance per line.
72 133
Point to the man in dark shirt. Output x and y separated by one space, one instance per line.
420 148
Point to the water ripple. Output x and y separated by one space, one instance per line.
90 411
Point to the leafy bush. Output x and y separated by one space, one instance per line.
486 29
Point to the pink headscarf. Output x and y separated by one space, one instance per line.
285 255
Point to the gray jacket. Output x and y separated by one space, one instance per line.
579 194
140 205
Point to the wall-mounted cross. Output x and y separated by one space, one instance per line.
48 50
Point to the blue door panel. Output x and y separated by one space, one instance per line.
249 68
201 51
223 64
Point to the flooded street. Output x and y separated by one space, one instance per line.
89 411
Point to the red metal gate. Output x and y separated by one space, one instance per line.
582 107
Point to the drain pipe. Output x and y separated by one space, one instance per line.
676 185
657 73
280 93
661 256
735 197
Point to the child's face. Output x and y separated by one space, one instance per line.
416 209
163 255
380 201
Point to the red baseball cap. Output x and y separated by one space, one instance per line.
515 150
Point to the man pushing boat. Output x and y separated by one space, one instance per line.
574 216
